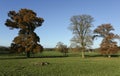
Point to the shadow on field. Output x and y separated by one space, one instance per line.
24 57
94 55
50 57
10 58
115 55
102 55
19 57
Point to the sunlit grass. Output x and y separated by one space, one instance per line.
60 66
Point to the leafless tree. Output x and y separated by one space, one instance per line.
81 28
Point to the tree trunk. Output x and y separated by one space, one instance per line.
83 54
28 54
109 56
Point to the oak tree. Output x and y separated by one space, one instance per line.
108 46
81 28
26 21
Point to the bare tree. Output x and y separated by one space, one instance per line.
108 46
80 26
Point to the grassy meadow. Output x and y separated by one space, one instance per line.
73 65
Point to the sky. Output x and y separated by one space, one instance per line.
57 14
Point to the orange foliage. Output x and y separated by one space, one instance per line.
108 46
27 21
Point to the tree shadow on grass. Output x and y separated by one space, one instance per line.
115 55
49 56
102 55
94 55
24 57
11 58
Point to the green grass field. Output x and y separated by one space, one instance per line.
73 65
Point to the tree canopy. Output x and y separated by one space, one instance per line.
26 21
108 46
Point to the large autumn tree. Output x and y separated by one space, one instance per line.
108 45
26 21
81 28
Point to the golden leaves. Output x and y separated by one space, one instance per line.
23 18
27 21
108 46
38 48
103 29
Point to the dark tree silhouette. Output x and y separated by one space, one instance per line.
26 21
108 45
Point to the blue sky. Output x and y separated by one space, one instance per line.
57 14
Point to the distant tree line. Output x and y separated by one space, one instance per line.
5 50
